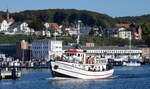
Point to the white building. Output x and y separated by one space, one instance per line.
47 26
112 52
54 28
24 27
124 54
46 49
125 34
19 28
43 33
4 26
73 31
85 30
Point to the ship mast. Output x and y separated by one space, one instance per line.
78 32
130 40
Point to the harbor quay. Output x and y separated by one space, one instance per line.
46 49
9 73
40 52
27 64
113 52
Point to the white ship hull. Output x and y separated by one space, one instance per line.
131 64
65 69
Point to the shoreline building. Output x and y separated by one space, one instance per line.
22 51
112 52
8 49
45 49
7 22
115 52
146 52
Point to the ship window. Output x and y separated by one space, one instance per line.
67 54
78 55
71 54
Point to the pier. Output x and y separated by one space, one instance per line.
10 73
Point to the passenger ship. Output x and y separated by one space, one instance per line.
75 64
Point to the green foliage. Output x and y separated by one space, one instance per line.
103 41
43 16
65 16
19 17
71 15
36 18
91 33
133 19
146 33
3 14
99 41
1 19
66 40
146 28
16 38
147 39
59 17
36 24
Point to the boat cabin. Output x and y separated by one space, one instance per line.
76 55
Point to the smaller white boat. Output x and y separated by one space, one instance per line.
131 62
10 73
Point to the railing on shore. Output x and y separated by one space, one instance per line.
25 66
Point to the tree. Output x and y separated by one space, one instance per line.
43 16
146 33
59 17
84 18
73 17
91 33
147 39
146 28
1 19
64 16
91 21
101 23
36 24
19 17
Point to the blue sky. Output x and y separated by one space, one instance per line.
113 8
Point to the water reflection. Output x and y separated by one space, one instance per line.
124 78
70 83
63 83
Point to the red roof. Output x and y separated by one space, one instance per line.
54 25
75 51
11 20
123 25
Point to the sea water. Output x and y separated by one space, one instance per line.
123 78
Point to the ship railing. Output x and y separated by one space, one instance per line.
96 67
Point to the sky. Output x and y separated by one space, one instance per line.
114 8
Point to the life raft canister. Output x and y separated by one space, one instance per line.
55 66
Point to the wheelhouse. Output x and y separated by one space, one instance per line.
79 55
